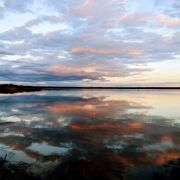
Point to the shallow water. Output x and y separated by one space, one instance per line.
105 134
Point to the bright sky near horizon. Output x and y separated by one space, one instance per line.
90 42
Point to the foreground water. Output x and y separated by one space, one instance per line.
89 134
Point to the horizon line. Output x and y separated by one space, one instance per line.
95 87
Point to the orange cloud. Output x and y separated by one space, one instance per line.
61 69
85 72
137 18
168 21
72 70
108 51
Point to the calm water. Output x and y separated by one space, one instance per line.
105 134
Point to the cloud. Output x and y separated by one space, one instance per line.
1 12
85 40
140 19
97 8
2 52
16 34
17 5
168 21
107 51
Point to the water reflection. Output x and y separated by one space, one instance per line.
91 134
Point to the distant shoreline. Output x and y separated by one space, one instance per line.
52 88
11 88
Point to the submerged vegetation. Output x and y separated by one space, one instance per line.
9 171
88 170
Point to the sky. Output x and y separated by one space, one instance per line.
90 42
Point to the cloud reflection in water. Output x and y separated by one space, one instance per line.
89 129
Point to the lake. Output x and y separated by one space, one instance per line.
92 134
